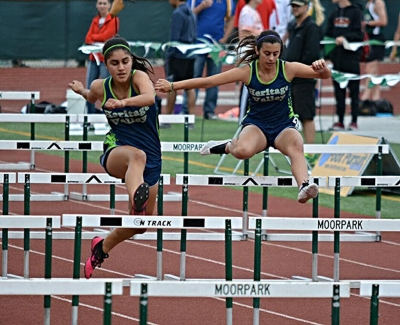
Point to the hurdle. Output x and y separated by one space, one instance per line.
20 95
327 224
61 286
378 149
150 222
244 181
26 222
78 178
378 289
84 146
239 289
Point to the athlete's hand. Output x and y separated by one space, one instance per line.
114 103
319 66
76 86
163 86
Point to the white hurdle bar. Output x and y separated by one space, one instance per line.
61 286
326 224
73 119
365 181
157 222
78 178
23 222
19 95
239 289
165 146
89 145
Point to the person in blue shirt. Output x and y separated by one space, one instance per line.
214 18
269 120
178 65
132 149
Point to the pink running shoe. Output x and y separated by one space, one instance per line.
140 199
96 258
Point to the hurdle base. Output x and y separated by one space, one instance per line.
172 277
356 237
145 276
118 197
190 236
12 276
354 284
52 197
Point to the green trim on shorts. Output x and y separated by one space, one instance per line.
110 141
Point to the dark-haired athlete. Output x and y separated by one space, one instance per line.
269 120
132 149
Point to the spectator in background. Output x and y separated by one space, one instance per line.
214 18
103 27
396 37
315 10
265 9
345 23
250 24
304 47
280 18
179 66
375 18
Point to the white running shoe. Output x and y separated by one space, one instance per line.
307 191
214 147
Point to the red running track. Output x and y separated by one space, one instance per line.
280 260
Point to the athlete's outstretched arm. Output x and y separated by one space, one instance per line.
223 78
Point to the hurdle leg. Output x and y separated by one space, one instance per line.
6 196
257 270
374 316
160 212
228 268
265 192
26 231
143 304
314 265
77 264
47 268
66 156
32 166
185 199
379 168
107 304
245 201
336 305
336 234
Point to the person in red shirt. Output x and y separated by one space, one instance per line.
103 27
265 8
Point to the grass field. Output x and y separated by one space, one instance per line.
361 201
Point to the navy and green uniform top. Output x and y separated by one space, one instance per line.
270 104
133 126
